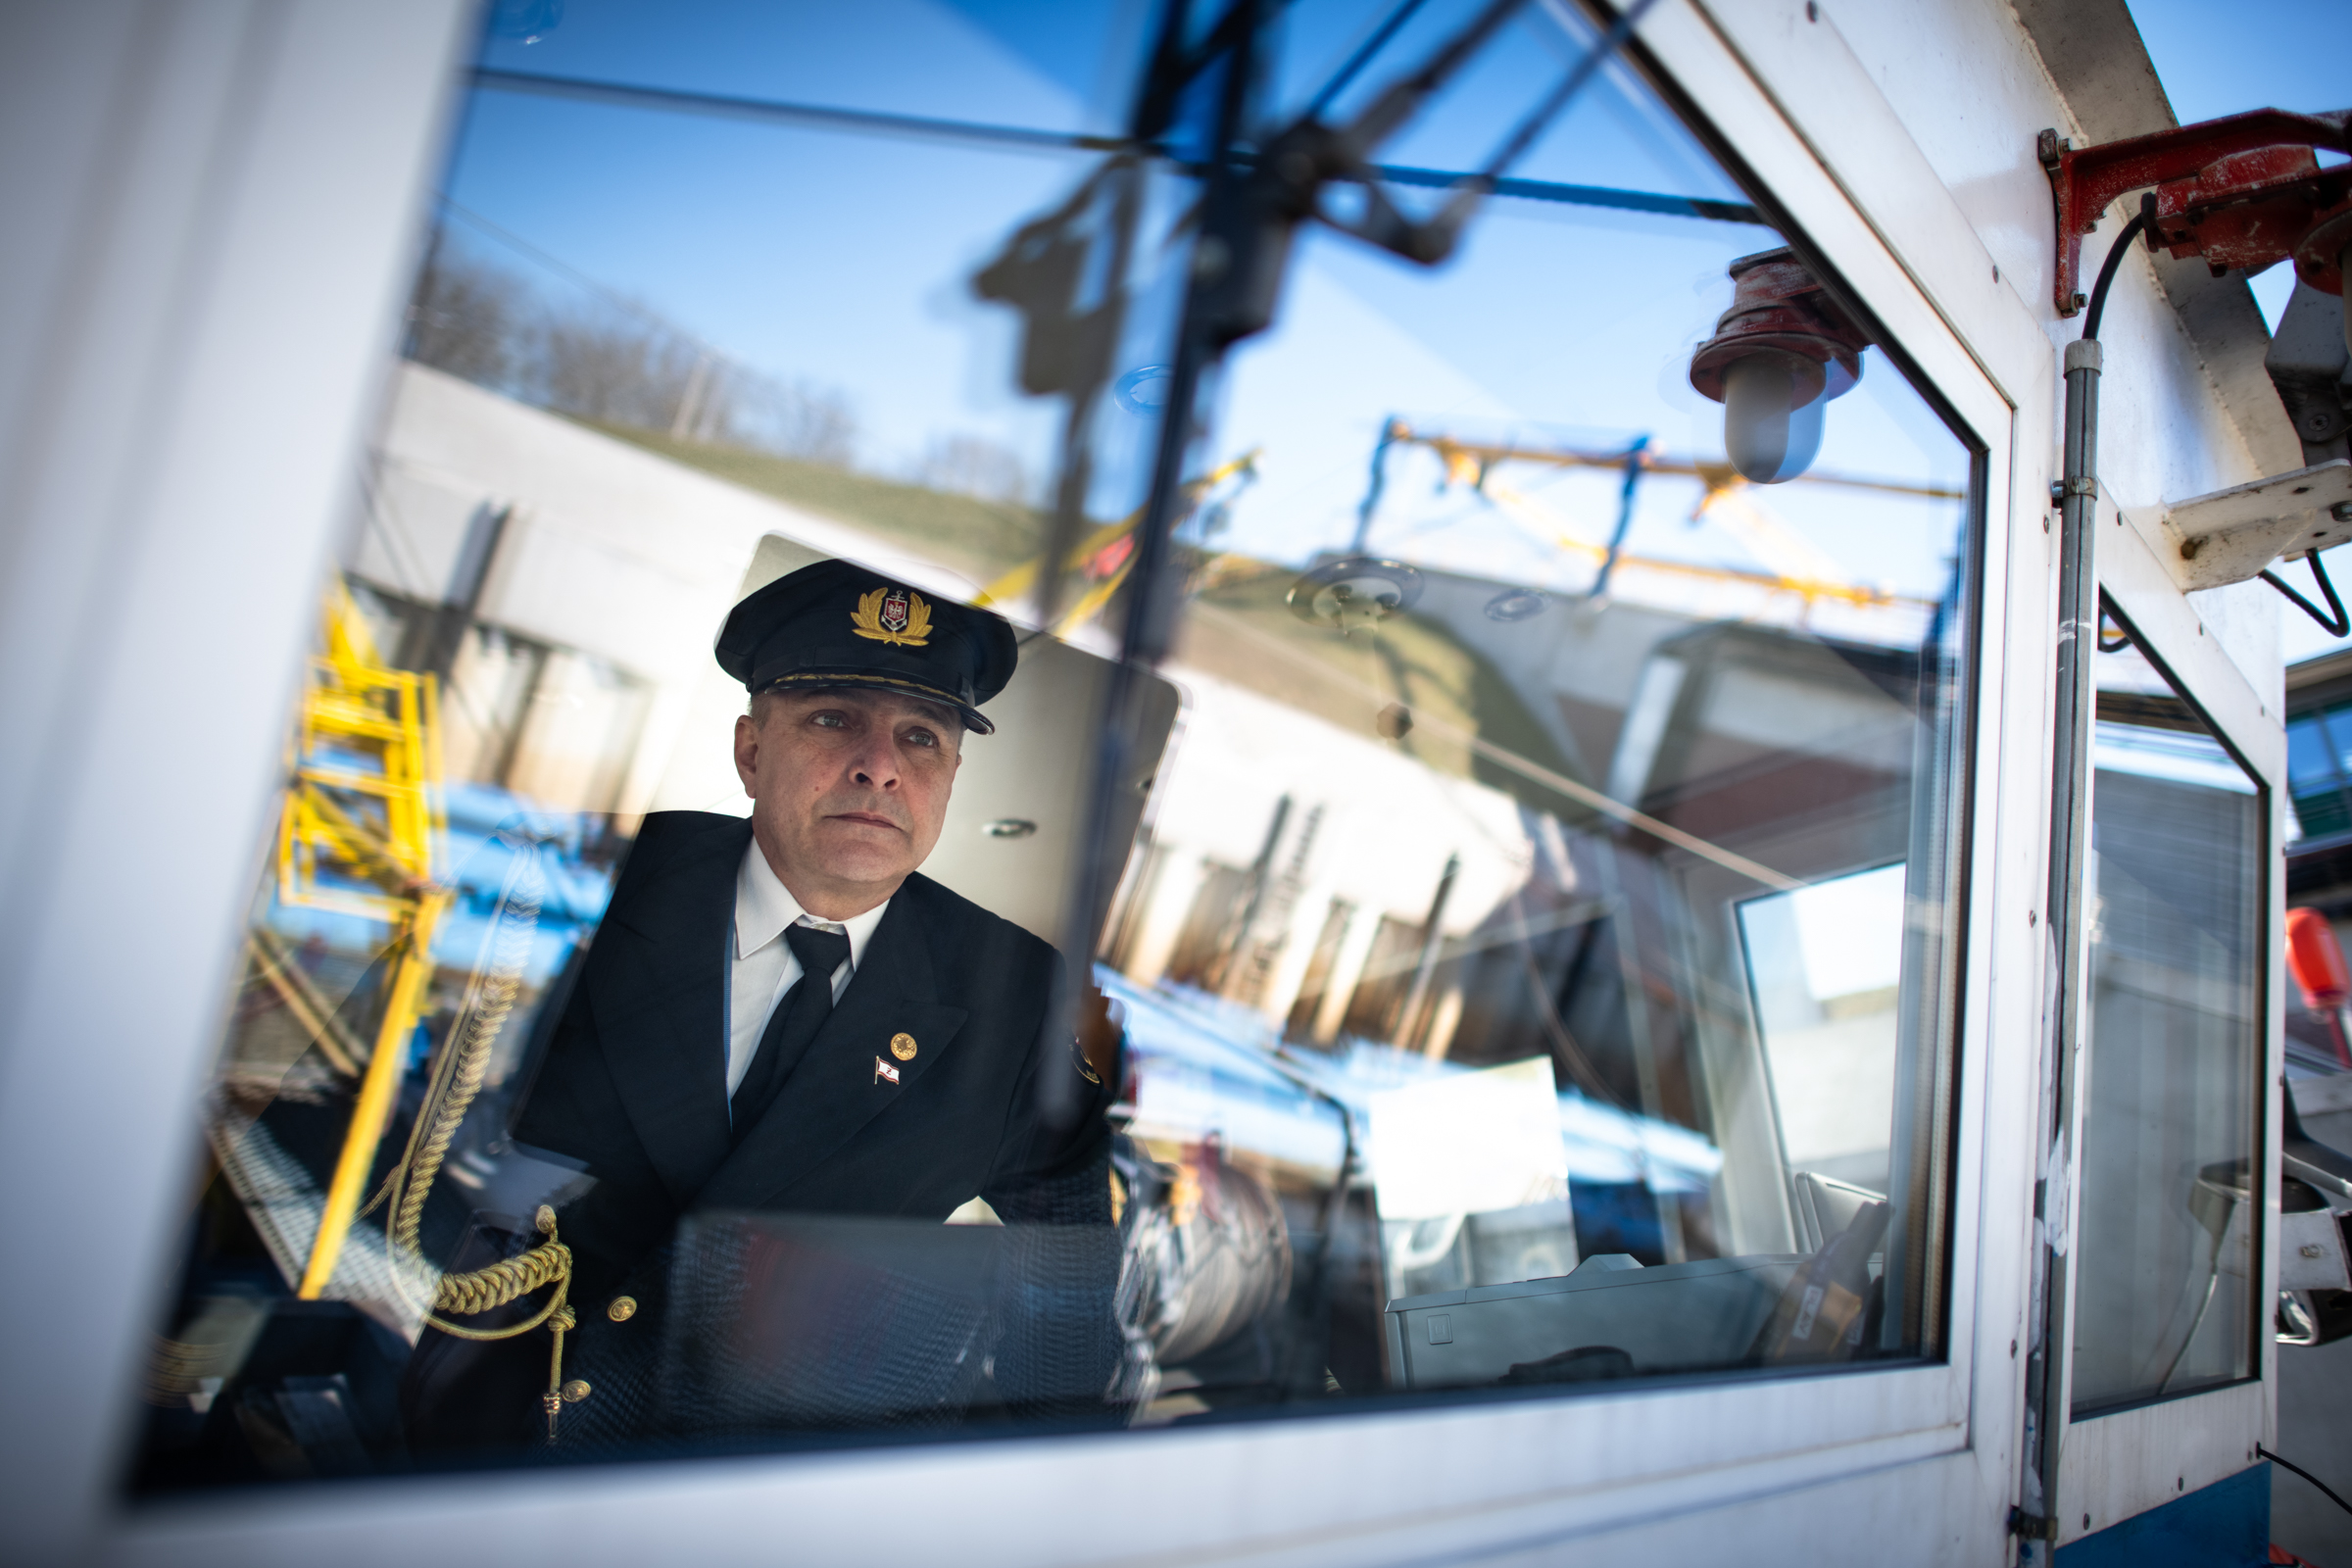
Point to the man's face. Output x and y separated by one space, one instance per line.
848 790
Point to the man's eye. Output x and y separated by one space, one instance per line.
921 737
829 720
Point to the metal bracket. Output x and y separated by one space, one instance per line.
2235 534
2085 180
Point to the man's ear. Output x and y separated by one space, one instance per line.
746 754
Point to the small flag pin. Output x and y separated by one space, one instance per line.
883 1069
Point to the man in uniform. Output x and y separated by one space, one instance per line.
783 1015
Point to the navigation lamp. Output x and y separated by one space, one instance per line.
1354 590
1515 604
1781 351
1771 416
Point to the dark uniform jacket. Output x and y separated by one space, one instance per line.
634 1085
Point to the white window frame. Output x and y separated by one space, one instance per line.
2113 1466
1931 1444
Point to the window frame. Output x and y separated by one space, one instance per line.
2112 1464
1462 1478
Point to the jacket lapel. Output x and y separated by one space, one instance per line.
660 995
835 1090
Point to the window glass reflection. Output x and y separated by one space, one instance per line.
2171 1203
1527 955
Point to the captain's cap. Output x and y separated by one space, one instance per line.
840 625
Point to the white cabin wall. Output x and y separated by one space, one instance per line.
161 168
209 214
2178 417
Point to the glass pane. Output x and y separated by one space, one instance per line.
1825 965
1562 821
2317 806
2338 722
2164 1286
1506 944
657 358
2310 759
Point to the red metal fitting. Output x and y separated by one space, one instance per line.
2252 208
2242 191
1778 305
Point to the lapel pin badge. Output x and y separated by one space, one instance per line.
902 1047
883 1069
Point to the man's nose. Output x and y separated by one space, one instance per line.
875 763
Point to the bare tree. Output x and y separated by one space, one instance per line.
973 466
599 356
602 363
735 407
468 317
812 423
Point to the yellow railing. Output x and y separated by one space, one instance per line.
1098 558
361 834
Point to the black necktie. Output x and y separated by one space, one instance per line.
794 1024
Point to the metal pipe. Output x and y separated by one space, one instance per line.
1261 872
1425 968
1152 586
2070 720
1633 456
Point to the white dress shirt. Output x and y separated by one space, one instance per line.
761 964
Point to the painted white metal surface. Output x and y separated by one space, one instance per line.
1371 1488
209 217
2231 534
2118 1465
1917 1463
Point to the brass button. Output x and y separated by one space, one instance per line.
623 1309
576 1391
902 1047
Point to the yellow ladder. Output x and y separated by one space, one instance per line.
359 833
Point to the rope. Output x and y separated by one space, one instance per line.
467 1061
501 1283
455 1080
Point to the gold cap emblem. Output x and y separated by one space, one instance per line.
894 616
623 1309
902 1047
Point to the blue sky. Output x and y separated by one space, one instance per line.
2218 60
845 260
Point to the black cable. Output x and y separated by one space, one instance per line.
1535 124
626 95
2115 258
2337 624
2306 1475
2341 624
1362 57
631 95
